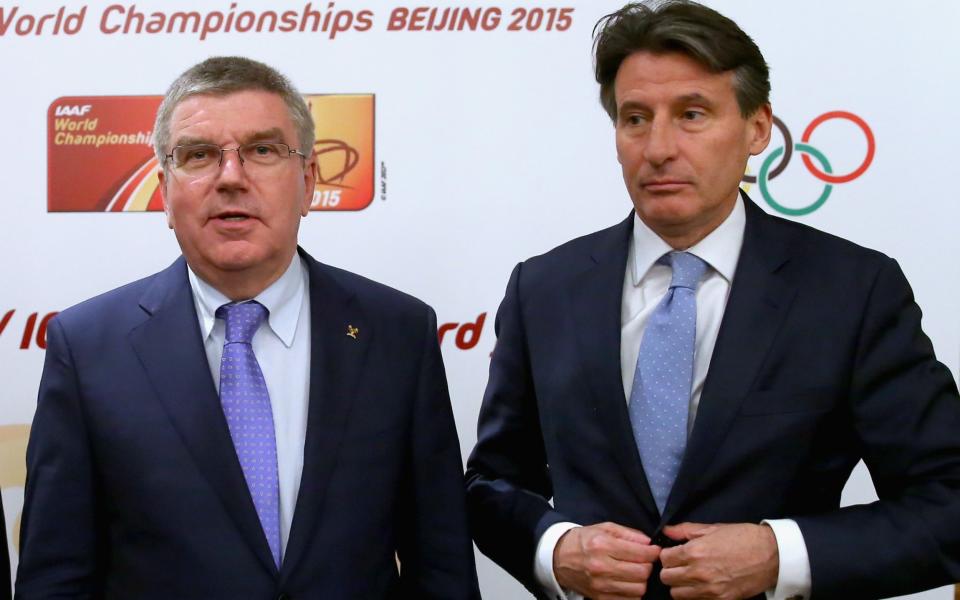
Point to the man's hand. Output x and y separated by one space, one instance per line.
720 561
605 561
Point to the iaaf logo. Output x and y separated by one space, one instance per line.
824 172
73 111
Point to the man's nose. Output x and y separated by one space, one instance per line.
232 173
661 141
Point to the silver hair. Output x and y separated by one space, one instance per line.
222 75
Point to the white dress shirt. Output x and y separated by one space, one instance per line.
645 284
282 347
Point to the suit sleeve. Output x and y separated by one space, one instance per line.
435 550
59 544
508 482
905 414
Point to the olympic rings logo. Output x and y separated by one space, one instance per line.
825 173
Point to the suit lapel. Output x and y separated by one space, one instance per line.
171 350
337 359
596 297
759 300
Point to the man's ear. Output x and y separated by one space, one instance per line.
759 127
162 177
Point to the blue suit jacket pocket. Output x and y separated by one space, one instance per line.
786 401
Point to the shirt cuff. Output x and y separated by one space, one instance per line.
793 578
543 562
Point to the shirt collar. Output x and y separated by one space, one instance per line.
283 299
720 249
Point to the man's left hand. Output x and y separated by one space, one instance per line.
726 561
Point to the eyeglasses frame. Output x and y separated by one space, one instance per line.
290 151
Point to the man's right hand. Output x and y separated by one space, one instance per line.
605 561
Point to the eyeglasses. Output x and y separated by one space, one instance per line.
204 159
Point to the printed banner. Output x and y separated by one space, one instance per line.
100 156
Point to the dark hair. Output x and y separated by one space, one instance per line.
221 75
701 33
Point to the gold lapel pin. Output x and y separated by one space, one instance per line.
352 331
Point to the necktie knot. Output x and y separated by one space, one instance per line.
688 269
242 320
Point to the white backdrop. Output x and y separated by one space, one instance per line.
494 148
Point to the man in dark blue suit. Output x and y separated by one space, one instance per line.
693 386
247 423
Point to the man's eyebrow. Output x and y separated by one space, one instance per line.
695 98
685 99
192 141
274 134
631 105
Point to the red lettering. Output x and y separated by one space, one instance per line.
398 19
473 330
267 21
43 20
341 22
364 20
26 24
417 18
444 329
42 330
106 15
27 20
245 21
310 14
211 23
6 319
469 19
491 19
73 23
133 15
28 331
5 20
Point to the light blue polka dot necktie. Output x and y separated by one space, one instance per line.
660 399
246 405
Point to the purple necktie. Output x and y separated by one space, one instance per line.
246 405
